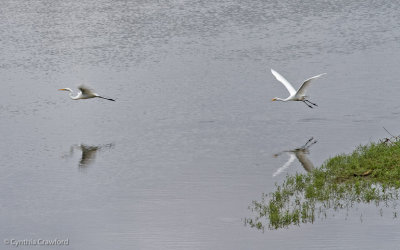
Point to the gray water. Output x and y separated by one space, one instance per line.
175 162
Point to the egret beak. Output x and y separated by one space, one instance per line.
273 99
62 89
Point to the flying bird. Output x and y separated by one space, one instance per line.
84 93
300 94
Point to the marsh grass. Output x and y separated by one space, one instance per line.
371 174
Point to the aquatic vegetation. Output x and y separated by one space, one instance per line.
371 174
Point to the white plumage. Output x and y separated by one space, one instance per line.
84 93
300 94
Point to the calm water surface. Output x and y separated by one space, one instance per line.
175 162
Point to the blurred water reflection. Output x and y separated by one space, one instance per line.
301 155
89 152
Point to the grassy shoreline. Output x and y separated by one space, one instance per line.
370 174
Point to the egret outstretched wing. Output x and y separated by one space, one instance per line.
285 82
85 90
303 88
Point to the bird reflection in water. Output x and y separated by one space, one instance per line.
89 152
301 155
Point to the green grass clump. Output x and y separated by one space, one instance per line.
371 174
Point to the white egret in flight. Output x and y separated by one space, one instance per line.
85 93
299 95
